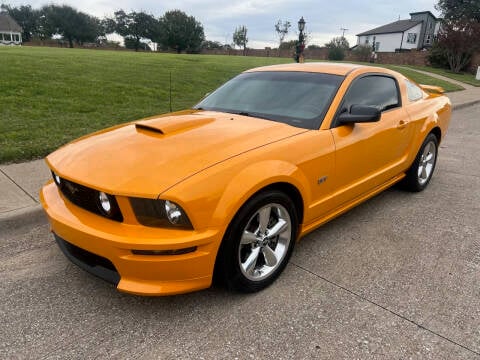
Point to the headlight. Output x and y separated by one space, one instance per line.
174 212
104 203
57 179
160 213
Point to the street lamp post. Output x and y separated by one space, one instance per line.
301 42
374 49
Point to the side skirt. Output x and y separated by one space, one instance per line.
306 228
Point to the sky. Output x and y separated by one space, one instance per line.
324 19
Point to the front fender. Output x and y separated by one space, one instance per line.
213 197
254 178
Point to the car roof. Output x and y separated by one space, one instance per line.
320 67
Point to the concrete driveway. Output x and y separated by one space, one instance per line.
398 277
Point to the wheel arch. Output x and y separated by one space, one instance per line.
258 178
286 188
437 132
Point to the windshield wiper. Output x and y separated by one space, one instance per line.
257 115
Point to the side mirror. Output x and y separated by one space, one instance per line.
360 114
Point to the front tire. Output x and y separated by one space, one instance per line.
258 243
421 171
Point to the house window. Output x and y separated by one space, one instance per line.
366 41
377 46
428 39
7 37
411 38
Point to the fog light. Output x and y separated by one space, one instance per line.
104 202
174 214
165 252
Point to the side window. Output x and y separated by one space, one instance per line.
373 90
414 93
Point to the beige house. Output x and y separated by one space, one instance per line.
10 31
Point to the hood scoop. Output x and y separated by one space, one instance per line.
148 128
172 124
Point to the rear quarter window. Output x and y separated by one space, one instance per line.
414 92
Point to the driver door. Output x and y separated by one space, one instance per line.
369 154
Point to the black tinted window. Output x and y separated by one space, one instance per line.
375 90
296 98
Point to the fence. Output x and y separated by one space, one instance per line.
403 58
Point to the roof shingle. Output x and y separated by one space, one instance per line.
8 24
394 27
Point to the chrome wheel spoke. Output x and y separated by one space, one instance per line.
249 264
424 173
420 170
248 238
270 256
264 218
426 163
280 227
265 241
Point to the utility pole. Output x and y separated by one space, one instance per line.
343 31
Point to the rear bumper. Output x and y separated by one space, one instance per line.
104 248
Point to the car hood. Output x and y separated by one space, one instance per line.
145 158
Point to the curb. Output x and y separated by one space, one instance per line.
15 219
465 104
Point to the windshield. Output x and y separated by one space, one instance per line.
299 99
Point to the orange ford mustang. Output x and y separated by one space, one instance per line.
163 205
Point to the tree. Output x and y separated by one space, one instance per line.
363 52
178 31
26 17
71 24
281 28
212 45
460 31
133 26
240 38
437 56
288 45
459 9
337 47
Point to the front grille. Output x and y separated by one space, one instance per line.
87 199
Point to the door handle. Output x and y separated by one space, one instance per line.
402 124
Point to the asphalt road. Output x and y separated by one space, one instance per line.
398 277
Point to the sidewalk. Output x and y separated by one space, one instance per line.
19 189
21 183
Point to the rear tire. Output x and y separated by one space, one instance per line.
421 171
258 243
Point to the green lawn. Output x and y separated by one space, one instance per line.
425 79
463 77
50 96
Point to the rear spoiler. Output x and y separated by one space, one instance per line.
432 89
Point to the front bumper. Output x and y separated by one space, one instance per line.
107 249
